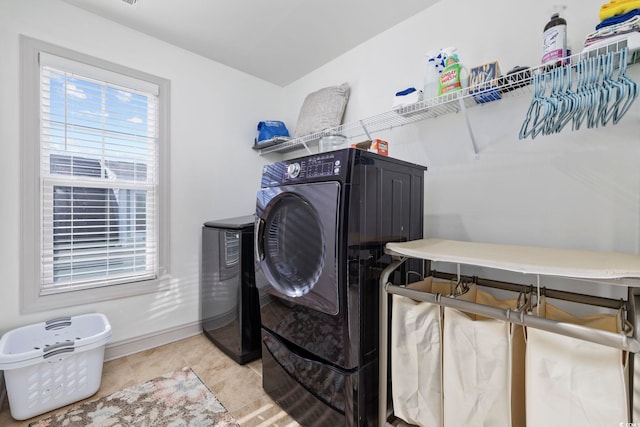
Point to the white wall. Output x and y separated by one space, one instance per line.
574 190
214 171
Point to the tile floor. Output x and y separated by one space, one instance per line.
238 387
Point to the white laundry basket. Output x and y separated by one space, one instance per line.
52 364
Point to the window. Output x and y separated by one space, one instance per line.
94 178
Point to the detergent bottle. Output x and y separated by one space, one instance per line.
433 66
554 46
452 77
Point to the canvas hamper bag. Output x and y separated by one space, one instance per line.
576 382
416 356
483 373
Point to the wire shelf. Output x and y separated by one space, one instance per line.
511 85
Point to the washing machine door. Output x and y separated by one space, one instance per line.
296 244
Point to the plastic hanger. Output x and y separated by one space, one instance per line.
619 90
581 92
534 108
592 91
632 87
563 100
569 103
553 100
547 106
607 90
594 95
597 90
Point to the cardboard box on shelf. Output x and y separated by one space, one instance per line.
374 145
380 146
483 82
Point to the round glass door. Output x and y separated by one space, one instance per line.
294 246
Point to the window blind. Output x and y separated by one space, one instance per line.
98 176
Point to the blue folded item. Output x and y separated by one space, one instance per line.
270 129
405 97
406 91
618 19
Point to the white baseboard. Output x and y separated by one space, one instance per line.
123 348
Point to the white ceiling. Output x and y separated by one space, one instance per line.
276 40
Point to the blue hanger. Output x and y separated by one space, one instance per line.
569 101
632 87
607 90
534 107
619 90
581 108
593 91
564 98
546 107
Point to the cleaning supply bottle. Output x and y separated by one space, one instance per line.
554 46
431 77
454 76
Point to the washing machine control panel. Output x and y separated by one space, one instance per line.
318 167
324 165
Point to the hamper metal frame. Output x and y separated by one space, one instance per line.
618 270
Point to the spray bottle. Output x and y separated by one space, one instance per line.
454 77
433 66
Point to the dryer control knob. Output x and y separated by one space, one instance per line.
293 170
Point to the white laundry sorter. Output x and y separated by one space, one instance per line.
616 268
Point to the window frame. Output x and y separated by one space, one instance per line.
32 300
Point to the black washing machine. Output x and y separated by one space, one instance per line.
230 313
321 225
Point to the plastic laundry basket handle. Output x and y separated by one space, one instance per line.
58 323
59 348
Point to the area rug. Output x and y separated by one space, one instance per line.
175 399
